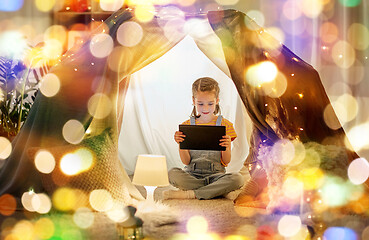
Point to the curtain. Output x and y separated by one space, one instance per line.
81 114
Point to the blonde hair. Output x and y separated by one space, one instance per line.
205 84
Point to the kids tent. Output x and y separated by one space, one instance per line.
75 122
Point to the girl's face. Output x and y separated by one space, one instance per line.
205 103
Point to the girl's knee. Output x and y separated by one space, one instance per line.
237 180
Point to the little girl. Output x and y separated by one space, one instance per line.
204 175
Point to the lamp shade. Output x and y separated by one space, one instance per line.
151 170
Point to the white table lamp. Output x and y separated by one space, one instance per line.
151 172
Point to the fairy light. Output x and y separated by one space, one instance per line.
300 95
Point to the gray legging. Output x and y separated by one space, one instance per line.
205 187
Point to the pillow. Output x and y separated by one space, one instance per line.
105 172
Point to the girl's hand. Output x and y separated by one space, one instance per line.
225 142
179 137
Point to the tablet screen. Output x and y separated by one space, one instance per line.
200 137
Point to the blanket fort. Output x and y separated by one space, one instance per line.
65 156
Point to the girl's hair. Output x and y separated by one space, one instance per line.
205 84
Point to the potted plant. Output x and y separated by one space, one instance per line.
17 93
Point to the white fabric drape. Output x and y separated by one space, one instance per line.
159 98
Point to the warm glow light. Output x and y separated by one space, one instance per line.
44 5
53 49
44 228
358 137
119 213
26 200
83 218
99 106
5 148
12 44
71 164
293 188
330 117
44 203
44 161
334 192
57 32
73 131
343 54
358 171
358 36
257 16
8 204
111 5
328 32
311 177
64 199
101 200
86 158
283 152
312 8
129 34
23 230
289 225
261 73
145 12
101 45
197 225
50 85
276 88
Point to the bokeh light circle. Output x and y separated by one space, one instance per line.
144 12
45 5
111 5
358 36
358 171
257 16
343 54
44 161
64 199
53 49
289 225
50 85
45 203
197 225
5 148
83 218
101 200
73 131
101 45
71 164
44 228
129 34
358 137
99 106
